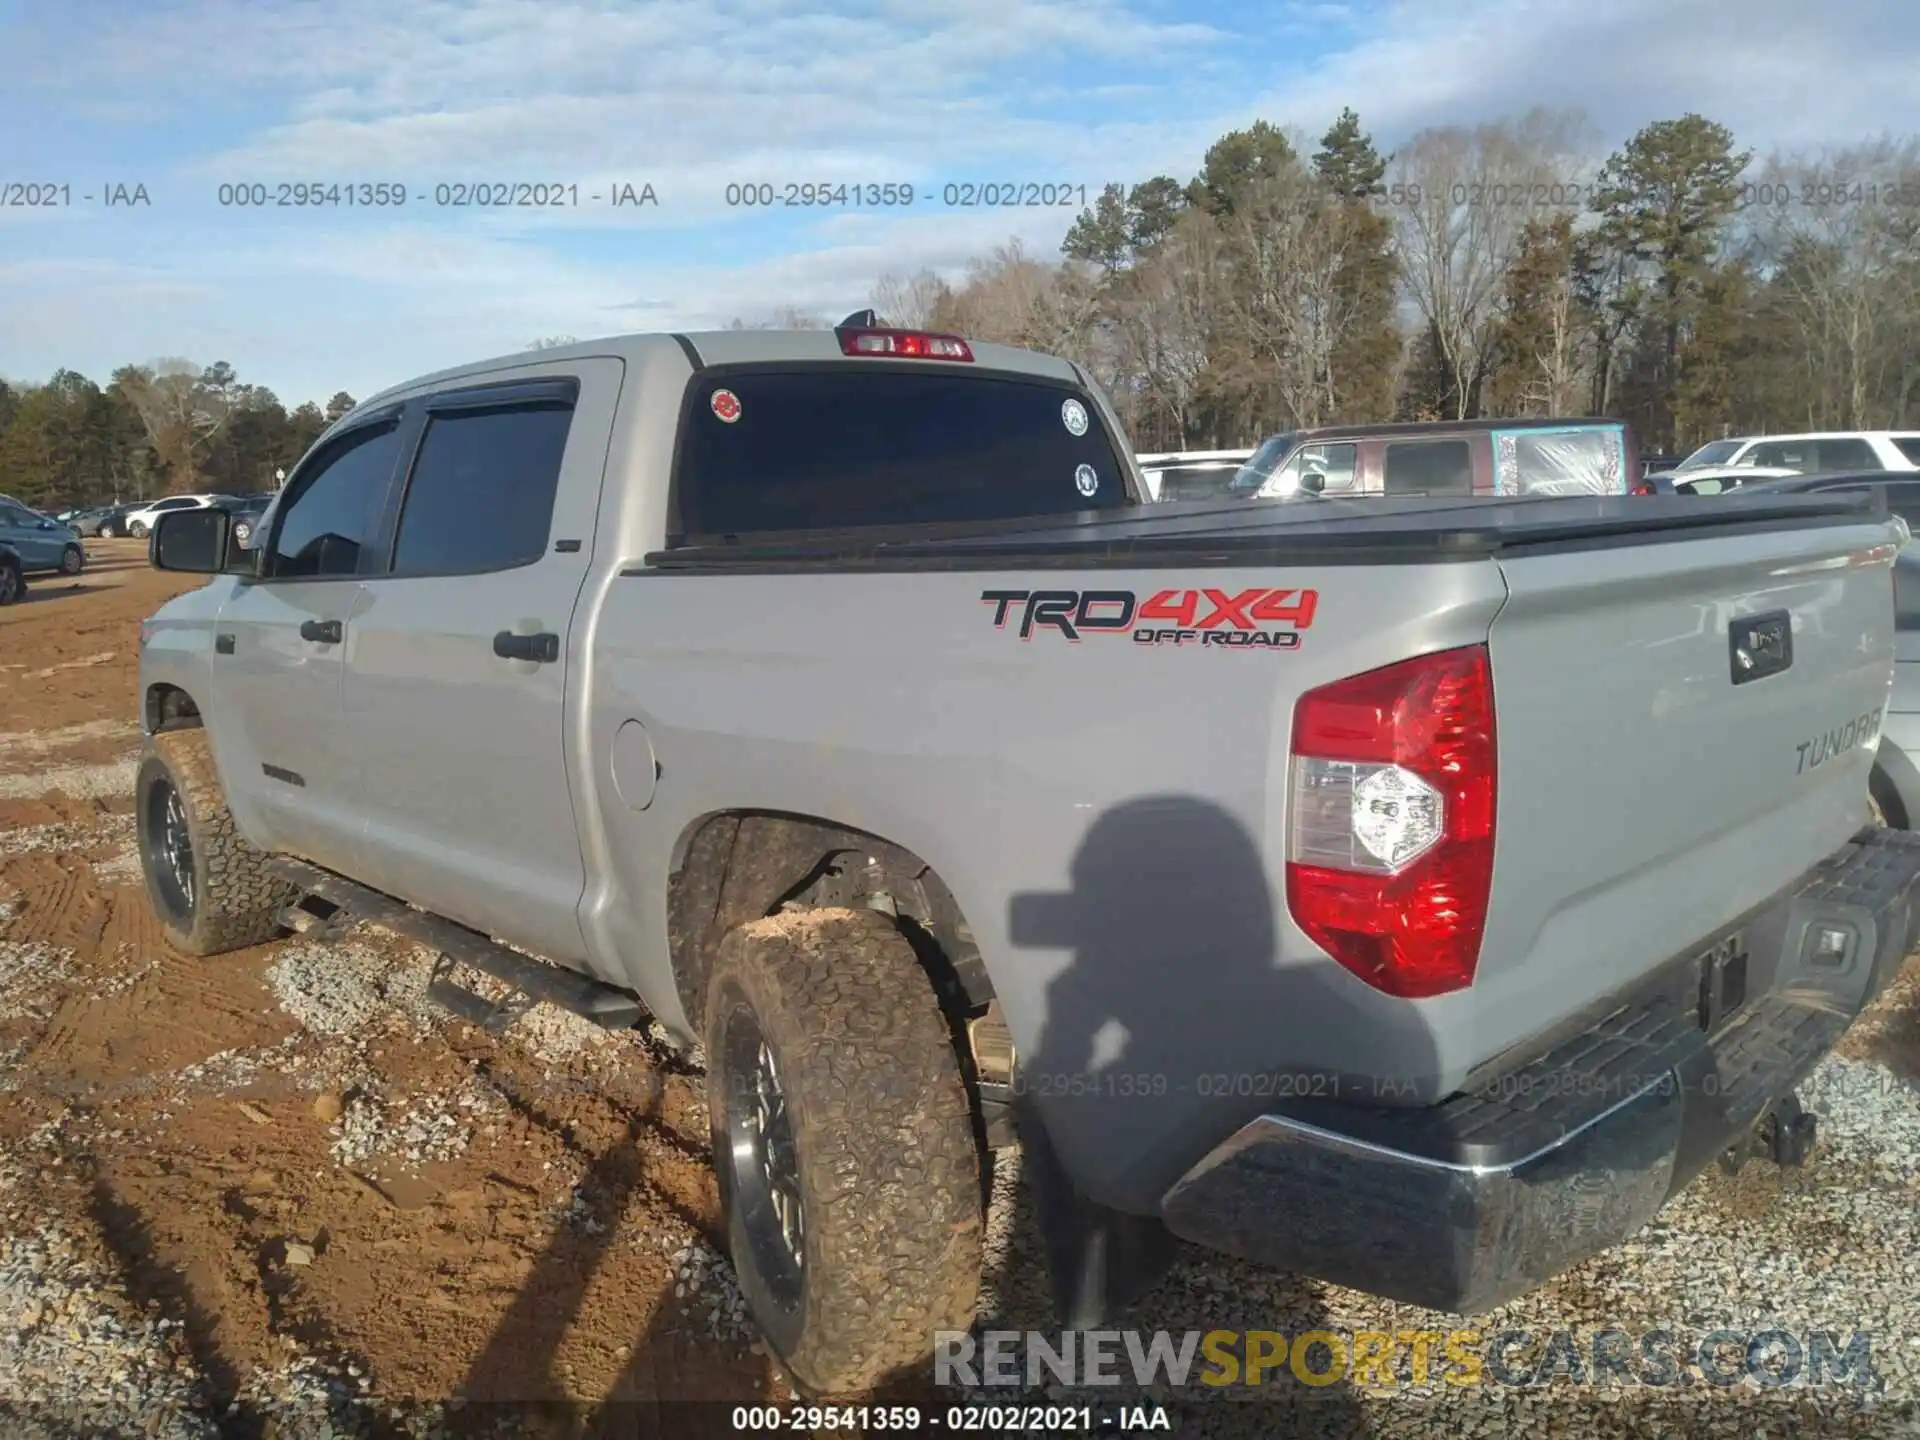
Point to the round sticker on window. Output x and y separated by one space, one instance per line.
1086 480
726 405
1074 416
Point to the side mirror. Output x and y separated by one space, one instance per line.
1312 482
48 525
193 542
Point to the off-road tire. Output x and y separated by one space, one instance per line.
13 583
72 560
236 900
883 1139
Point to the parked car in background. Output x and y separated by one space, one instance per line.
1659 462
1821 451
1466 457
1191 474
1709 479
95 522
13 575
139 520
40 541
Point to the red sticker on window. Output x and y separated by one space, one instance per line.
726 405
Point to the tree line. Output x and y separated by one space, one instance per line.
1498 270
168 428
1505 269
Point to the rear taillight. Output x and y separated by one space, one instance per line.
904 344
1643 489
1391 820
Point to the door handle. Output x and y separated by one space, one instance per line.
323 632
542 649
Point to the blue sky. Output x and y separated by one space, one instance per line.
693 95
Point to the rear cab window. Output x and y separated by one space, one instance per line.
766 448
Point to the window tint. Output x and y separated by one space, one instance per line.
328 517
845 446
1851 454
1714 452
481 496
1428 467
1784 454
1909 446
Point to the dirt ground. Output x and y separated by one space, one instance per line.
177 1117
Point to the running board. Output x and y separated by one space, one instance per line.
605 1005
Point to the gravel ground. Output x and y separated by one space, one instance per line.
281 1194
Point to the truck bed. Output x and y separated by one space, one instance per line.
1364 531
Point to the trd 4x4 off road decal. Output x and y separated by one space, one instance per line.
1257 619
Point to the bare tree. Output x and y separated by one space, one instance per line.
1467 195
182 408
1165 312
908 301
1846 273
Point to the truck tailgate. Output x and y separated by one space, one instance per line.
1646 796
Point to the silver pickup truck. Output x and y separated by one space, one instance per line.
1410 893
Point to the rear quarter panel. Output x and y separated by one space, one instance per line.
1107 813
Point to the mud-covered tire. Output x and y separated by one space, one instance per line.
882 1140
234 901
72 560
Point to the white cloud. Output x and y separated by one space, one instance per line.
690 96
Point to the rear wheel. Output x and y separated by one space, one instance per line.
12 583
72 560
107 531
844 1145
138 529
210 888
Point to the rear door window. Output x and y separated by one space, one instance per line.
1428 467
1909 446
1846 454
1783 455
481 495
774 448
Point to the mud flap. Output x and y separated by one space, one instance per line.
1099 1260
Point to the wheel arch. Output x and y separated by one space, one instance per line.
169 707
732 866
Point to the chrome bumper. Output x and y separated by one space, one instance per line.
1464 1205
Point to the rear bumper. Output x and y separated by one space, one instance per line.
1464 1205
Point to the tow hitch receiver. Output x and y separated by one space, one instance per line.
1785 1135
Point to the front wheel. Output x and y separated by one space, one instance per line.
844 1145
107 532
210 888
72 560
138 530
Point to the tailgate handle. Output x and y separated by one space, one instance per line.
1760 645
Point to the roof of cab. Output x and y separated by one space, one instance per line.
731 347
